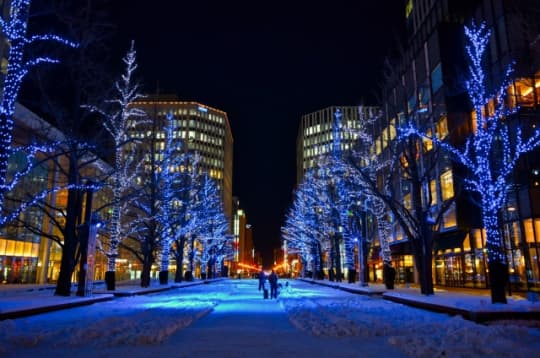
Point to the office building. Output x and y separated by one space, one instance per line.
202 129
315 133
428 87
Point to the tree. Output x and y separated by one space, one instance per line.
491 153
212 225
184 221
62 93
171 206
118 121
302 230
14 28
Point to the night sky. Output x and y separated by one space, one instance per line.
265 65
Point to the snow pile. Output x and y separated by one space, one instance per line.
415 332
132 321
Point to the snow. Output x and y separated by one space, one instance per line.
230 318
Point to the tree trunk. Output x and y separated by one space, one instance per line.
498 270
110 280
351 275
163 277
145 274
427 255
68 261
337 257
498 277
179 263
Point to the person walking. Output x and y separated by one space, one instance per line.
273 279
262 278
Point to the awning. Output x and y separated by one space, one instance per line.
449 240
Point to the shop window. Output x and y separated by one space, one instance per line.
524 91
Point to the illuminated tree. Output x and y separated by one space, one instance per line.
120 116
184 221
172 188
211 225
302 230
14 28
491 153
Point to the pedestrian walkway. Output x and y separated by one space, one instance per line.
19 300
245 325
471 304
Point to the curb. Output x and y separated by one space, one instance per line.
475 316
24 312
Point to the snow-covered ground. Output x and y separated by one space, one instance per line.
230 318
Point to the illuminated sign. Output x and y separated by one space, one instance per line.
202 109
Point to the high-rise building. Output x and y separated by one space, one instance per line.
243 249
202 129
428 88
315 133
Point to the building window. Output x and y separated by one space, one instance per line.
442 127
436 78
433 190
447 185
529 231
428 143
392 128
450 217
407 201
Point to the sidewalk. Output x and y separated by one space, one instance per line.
18 300
474 305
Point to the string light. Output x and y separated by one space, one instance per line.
493 151
14 29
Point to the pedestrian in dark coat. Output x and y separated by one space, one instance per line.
273 279
262 279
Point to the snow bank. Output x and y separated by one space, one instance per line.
415 332
131 321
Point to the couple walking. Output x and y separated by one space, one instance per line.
272 280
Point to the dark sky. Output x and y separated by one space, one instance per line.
265 65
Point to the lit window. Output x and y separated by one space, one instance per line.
474 122
428 143
442 127
450 219
384 138
447 185
433 190
407 201
392 128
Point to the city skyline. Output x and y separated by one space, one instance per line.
265 67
